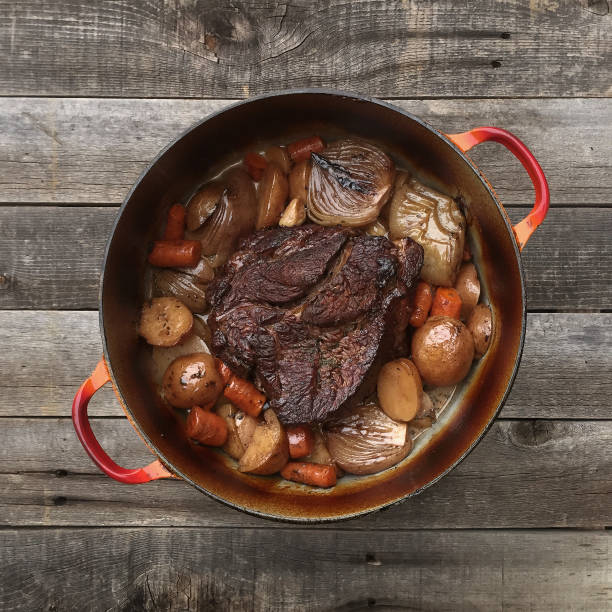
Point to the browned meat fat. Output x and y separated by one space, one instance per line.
312 313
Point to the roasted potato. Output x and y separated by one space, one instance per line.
400 389
467 286
192 380
298 180
268 451
272 194
442 350
237 423
280 156
165 321
320 453
480 325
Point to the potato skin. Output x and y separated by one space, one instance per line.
480 325
192 380
442 350
468 288
272 194
400 390
268 451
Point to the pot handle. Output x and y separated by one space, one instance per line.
523 229
97 380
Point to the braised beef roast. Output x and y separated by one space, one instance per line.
312 313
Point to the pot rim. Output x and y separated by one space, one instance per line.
361 98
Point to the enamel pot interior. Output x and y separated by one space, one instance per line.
196 156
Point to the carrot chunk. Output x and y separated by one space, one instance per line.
206 427
301 149
175 226
255 165
423 297
175 253
446 302
315 474
301 441
242 393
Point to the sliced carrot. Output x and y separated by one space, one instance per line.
224 371
315 474
175 253
255 165
301 441
245 395
175 226
446 302
242 393
423 297
206 427
301 149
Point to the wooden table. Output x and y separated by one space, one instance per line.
91 92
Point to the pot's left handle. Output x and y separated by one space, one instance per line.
523 229
97 380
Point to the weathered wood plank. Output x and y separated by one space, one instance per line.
45 355
523 474
52 257
255 569
91 151
211 49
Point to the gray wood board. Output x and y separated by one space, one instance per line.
523 474
255 569
82 151
53 256
214 49
46 355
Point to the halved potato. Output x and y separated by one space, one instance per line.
165 321
280 156
238 426
320 454
268 451
233 446
272 194
245 427
400 389
298 180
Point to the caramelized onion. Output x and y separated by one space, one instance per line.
203 204
350 182
365 440
435 222
203 271
182 286
234 216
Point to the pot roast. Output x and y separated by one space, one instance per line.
312 313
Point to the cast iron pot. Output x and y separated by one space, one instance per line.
175 174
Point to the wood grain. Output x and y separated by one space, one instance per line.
52 258
209 48
523 474
46 355
82 151
254 569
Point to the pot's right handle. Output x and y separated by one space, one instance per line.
526 227
99 377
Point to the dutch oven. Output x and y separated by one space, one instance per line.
179 170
